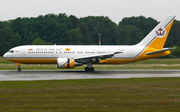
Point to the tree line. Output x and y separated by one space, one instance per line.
62 29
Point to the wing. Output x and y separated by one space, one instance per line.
95 58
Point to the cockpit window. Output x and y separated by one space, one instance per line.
11 51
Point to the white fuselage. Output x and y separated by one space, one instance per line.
72 51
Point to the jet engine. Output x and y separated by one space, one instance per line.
67 63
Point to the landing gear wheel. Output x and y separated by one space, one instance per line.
91 69
86 69
19 69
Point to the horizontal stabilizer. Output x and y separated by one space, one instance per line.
164 49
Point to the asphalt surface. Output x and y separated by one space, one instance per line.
14 75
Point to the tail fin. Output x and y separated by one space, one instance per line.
157 37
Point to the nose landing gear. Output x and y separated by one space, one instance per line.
19 66
19 69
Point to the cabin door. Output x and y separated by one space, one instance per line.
131 52
23 52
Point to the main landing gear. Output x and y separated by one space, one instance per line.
89 67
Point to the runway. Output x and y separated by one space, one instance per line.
14 75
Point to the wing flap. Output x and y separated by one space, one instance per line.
85 59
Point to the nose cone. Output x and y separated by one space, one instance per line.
5 55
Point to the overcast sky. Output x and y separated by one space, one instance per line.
116 10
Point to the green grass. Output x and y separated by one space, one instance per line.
3 60
147 64
108 95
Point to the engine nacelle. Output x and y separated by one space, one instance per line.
65 63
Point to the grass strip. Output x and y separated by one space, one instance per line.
108 95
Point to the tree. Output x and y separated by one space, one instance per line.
129 35
8 40
19 25
74 21
4 24
173 38
145 24
74 37
86 40
38 41
101 25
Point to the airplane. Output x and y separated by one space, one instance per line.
70 56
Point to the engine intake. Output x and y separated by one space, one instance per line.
65 63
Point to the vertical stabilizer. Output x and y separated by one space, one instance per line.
157 37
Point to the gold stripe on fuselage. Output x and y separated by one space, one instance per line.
34 60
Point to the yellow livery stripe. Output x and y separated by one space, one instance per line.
158 43
34 60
